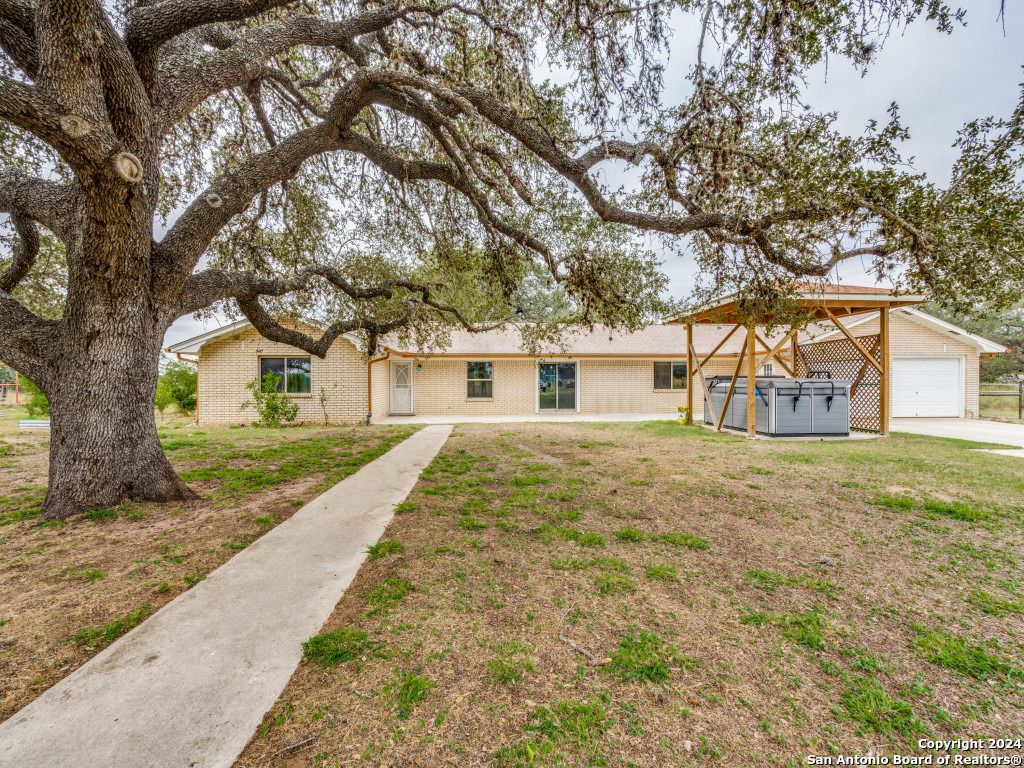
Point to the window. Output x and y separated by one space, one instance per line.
294 373
479 379
767 369
670 375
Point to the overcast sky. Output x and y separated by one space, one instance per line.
939 81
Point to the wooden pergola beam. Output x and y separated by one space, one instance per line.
689 373
751 385
703 384
773 353
732 384
720 345
863 370
883 385
860 347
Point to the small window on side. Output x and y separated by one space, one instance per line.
479 380
670 375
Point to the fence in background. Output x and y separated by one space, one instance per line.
1019 394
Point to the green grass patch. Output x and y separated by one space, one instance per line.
241 471
339 646
101 637
772 580
22 504
868 705
993 605
894 502
387 594
685 540
511 663
578 727
662 572
631 535
89 575
102 514
961 655
806 629
406 690
613 584
384 548
958 510
645 657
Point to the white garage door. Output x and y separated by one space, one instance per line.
926 387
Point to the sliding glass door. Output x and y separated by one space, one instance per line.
557 383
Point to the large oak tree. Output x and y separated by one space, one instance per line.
402 168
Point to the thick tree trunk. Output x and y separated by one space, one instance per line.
104 447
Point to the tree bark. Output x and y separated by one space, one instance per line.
104 447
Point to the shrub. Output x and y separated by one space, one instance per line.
37 404
163 397
272 406
182 382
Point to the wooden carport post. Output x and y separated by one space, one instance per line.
689 373
883 384
751 384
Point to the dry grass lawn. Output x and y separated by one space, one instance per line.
68 590
722 602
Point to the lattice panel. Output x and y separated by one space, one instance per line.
845 363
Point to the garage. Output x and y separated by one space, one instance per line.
927 387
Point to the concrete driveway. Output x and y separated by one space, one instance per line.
978 430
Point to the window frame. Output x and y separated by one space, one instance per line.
768 369
490 390
672 364
284 379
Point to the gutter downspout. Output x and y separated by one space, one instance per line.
369 385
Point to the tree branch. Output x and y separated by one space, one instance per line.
25 251
27 341
151 25
49 203
212 285
18 36
177 254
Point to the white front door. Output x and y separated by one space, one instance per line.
926 387
401 387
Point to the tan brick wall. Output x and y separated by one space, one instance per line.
439 389
907 338
381 389
624 386
227 365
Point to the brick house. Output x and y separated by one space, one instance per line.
935 371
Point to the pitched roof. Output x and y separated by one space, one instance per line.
668 341
824 333
193 345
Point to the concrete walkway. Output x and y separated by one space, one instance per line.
189 686
977 430
561 416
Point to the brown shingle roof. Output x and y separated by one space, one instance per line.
653 341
